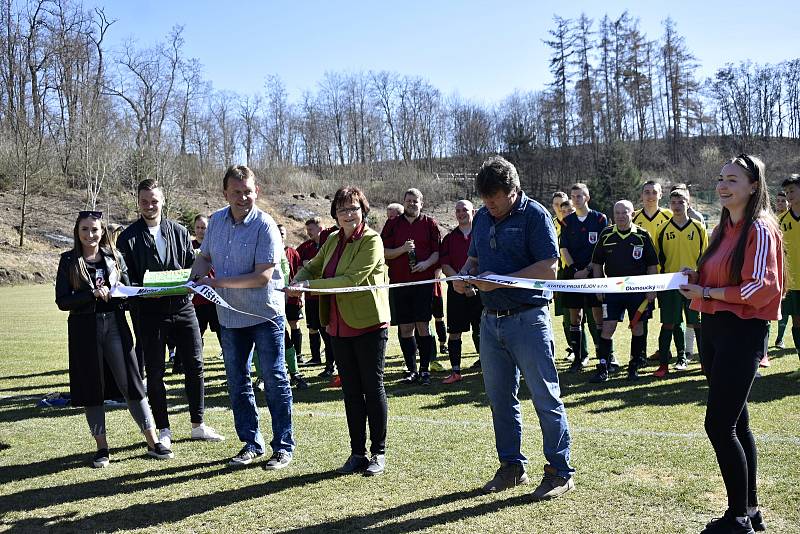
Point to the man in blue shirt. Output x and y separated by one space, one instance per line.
243 245
512 235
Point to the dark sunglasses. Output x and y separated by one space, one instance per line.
90 213
492 240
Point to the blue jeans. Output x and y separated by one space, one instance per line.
524 342
237 344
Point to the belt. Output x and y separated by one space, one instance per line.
510 311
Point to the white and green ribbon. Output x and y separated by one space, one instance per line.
206 292
619 284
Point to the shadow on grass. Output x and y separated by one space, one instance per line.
149 514
9 473
32 499
684 388
44 389
777 354
468 391
415 524
24 408
35 375
141 516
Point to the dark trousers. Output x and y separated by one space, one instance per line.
207 318
731 349
175 319
360 360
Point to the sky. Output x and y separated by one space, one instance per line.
479 50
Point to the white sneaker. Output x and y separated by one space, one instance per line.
206 433
165 437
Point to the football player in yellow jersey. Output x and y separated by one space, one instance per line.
790 226
680 244
559 197
651 217
781 205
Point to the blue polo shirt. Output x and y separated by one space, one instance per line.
236 248
526 236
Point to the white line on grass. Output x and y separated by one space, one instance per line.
767 438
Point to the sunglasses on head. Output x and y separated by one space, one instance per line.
90 213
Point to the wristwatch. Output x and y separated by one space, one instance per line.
706 293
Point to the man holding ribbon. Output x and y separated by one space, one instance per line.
155 243
243 245
512 235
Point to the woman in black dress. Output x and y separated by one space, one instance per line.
100 342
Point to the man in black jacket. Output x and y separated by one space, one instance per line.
154 243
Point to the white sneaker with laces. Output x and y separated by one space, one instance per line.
206 433
165 437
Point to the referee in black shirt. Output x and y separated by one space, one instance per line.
623 249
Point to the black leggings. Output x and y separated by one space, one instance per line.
360 360
731 349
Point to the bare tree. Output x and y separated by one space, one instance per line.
249 108
146 81
384 88
224 105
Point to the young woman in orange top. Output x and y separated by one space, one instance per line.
737 287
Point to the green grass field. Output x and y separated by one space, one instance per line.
643 462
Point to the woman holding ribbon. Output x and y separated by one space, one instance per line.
737 287
100 343
357 322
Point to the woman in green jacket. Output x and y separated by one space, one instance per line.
358 323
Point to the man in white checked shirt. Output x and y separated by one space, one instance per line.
243 245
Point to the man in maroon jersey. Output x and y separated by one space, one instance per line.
463 309
317 234
411 249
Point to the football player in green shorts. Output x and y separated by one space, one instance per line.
790 226
680 244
